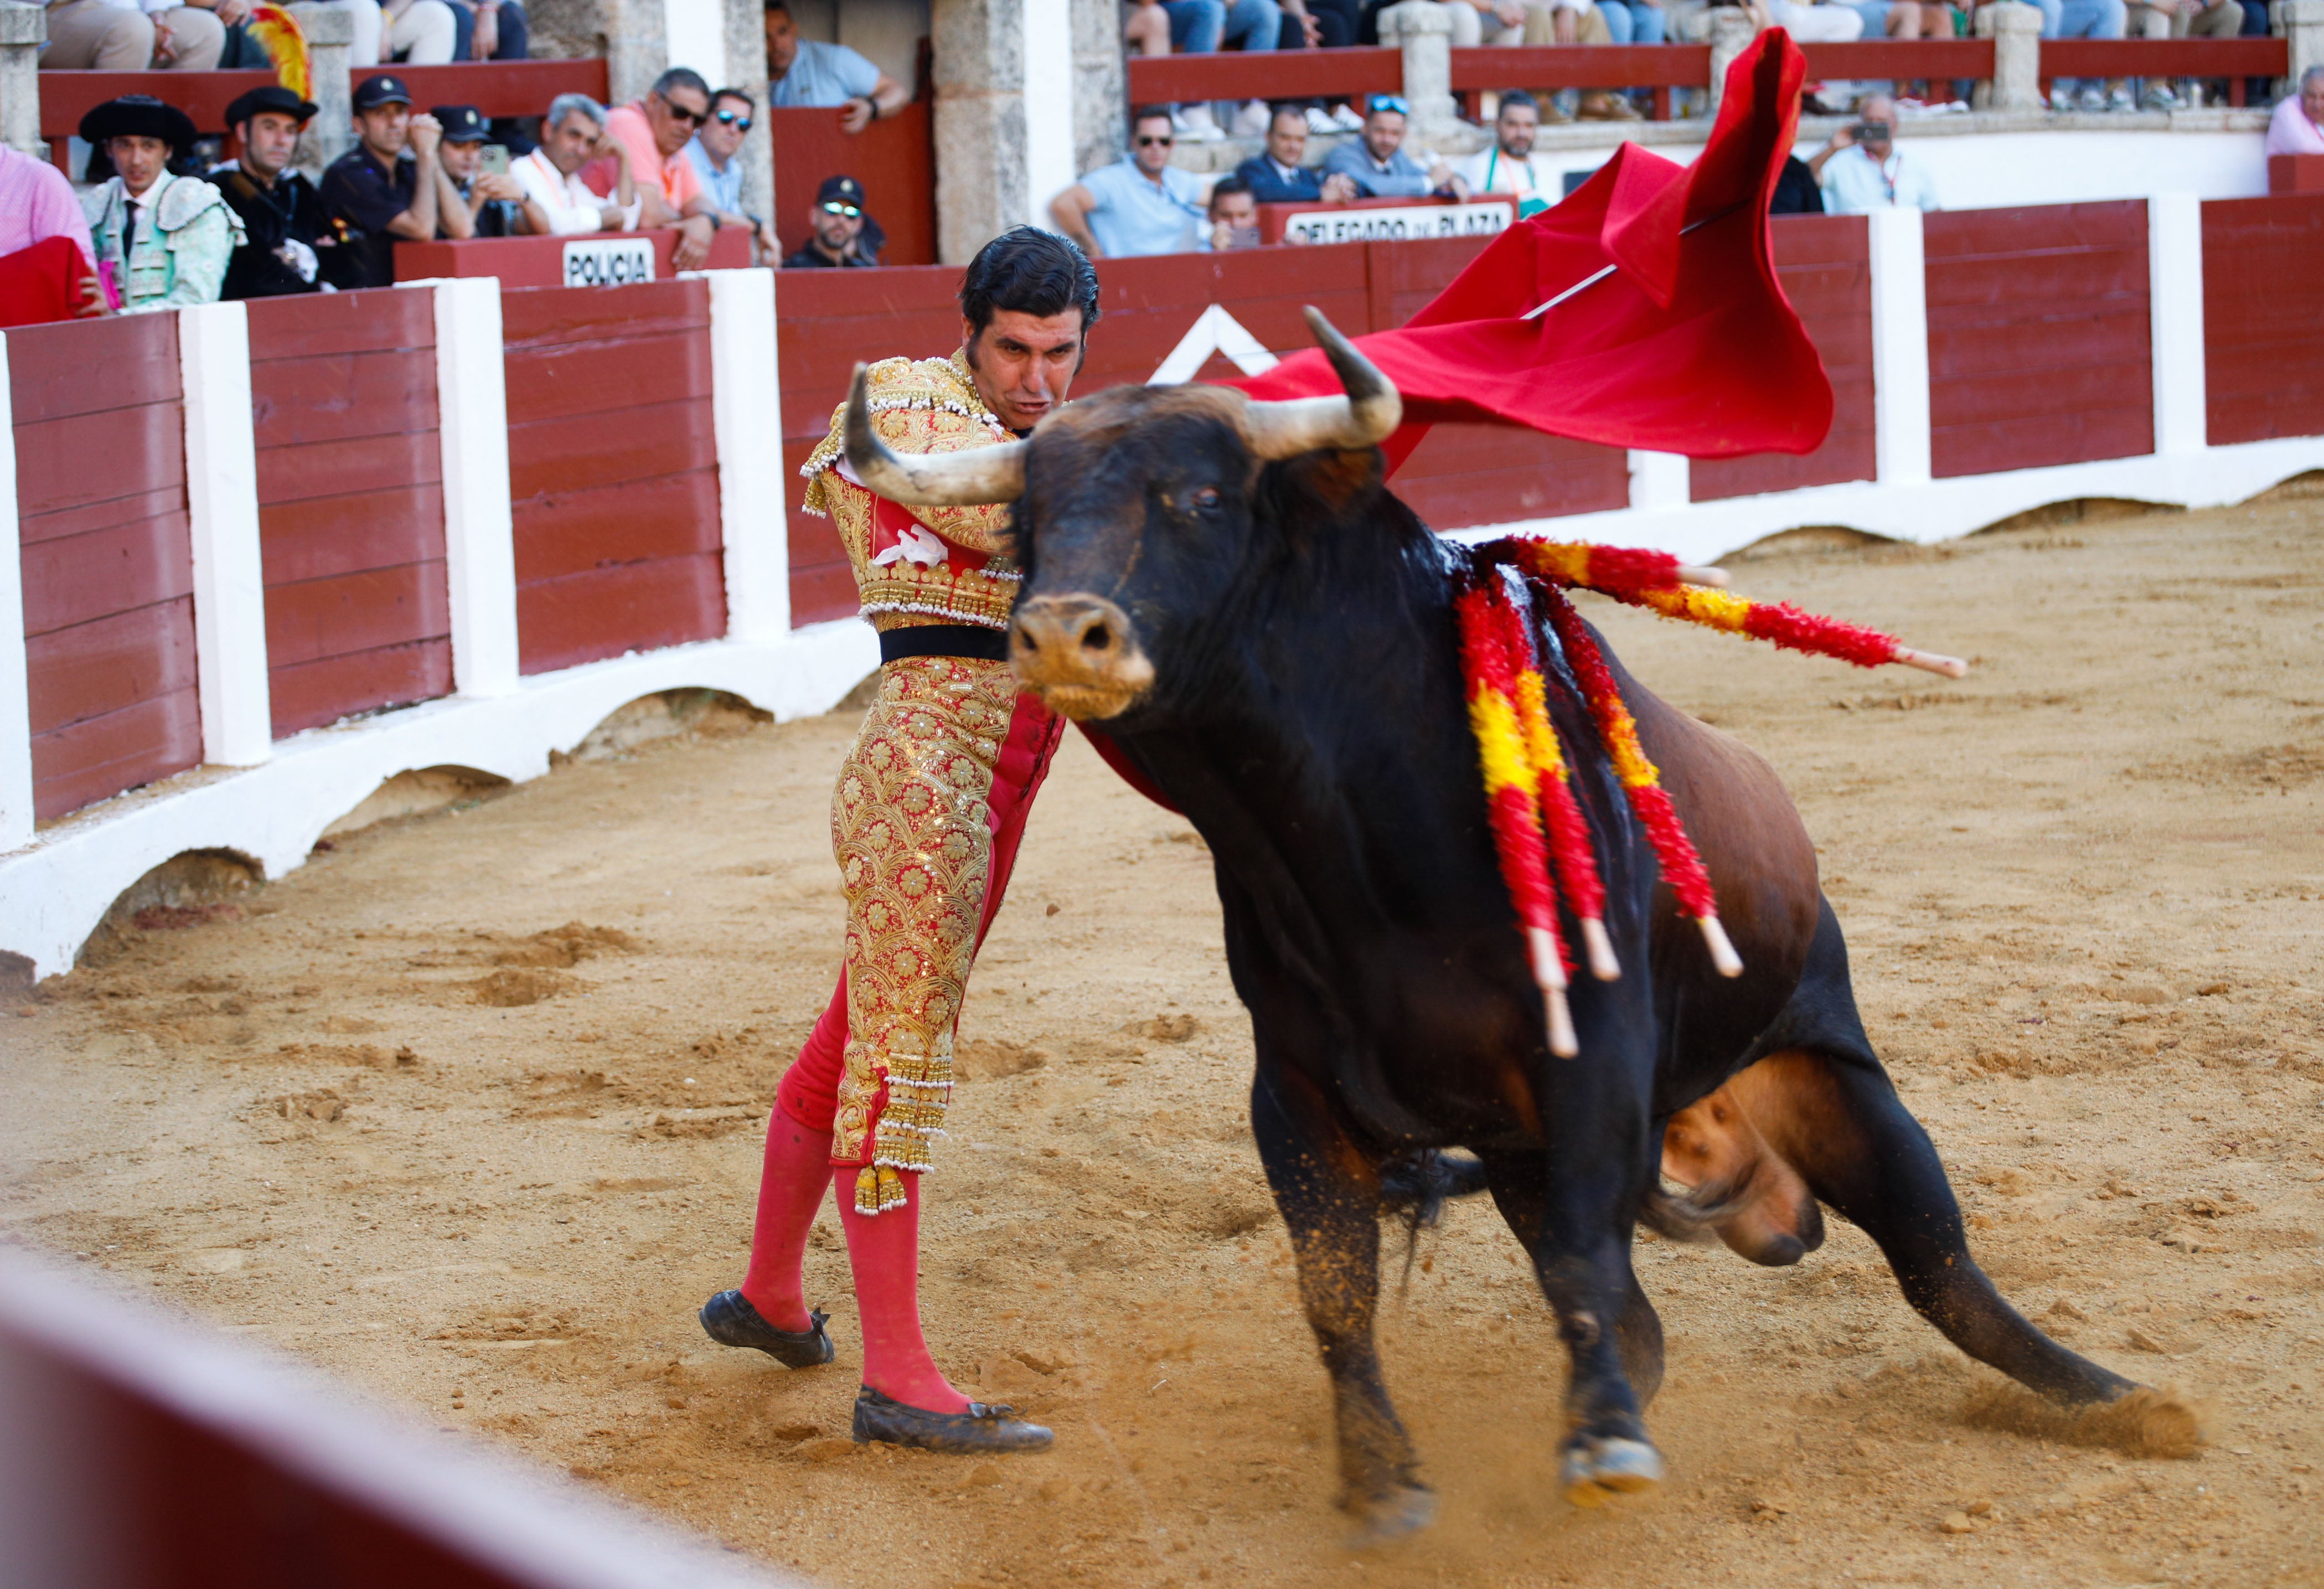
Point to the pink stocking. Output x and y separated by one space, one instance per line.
796 1168
885 1250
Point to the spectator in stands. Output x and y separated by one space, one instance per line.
1140 205
164 239
48 265
2297 128
1377 163
137 36
390 186
557 202
1815 22
489 29
716 151
808 71
2084 19
2182 19
1510 166
1234 216
1198 27
289 243
476 202
424 32
655 131
1796 189
1864 171
839 236
1484 21
1278 177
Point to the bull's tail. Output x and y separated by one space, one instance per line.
1695 1214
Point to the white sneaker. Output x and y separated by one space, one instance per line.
1317 122
2159 96
1250 121
2120 99
1346 120
1196 125
2091 99
2061 99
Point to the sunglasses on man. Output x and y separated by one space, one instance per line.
692 118
1380 102
836 208
734 118
1149 141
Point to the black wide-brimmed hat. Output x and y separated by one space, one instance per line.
139 116
274 97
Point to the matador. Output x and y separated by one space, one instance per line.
930 805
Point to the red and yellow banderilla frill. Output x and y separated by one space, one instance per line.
1528 786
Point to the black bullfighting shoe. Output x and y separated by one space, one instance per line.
729 1319
980 1429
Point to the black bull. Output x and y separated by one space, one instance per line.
1268 634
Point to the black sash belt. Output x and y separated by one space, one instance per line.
944 640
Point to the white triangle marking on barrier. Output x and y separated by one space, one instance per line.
1214 331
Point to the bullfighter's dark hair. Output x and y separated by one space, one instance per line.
1032 271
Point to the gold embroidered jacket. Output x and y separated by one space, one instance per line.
930 565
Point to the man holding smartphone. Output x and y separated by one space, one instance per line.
489 203
1861 170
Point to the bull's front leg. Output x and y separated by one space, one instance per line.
1328 1189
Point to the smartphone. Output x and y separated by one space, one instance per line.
493 160
1871 132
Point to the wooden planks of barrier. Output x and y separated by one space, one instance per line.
1272 74
107 560
1824 264
2263 318
350 503
612 471
2040 348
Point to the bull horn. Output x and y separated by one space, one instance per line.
980 475
1363 416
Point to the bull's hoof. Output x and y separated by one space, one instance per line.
1599 1470
1393 1514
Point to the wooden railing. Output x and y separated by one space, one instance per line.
1331 74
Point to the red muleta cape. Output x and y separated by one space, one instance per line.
1688 345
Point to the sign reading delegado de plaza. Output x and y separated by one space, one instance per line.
608 262
1355 223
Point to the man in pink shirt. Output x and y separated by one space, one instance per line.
655 131
2297 128
37 205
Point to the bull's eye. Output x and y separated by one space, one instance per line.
1207 497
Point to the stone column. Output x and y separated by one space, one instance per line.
2016 29
1101 85
637 47
746 68
1424 33
1731 32
23 29
330 31
980 123
2301 22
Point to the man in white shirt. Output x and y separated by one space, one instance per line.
1861 170
557 202
1508 166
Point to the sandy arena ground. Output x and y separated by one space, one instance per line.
468 1111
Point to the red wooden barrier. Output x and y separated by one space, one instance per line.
2261 56
1824 263
1906 58
1583 66
107 566
540 262
350 503
2039 342
2263 318
894 158
612 470
1272 74
2295 173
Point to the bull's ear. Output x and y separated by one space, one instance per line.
1339 480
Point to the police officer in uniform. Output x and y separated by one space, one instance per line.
490 202
390 187
290 243
841 236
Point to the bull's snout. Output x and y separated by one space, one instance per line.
1079 653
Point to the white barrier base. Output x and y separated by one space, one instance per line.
55 891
